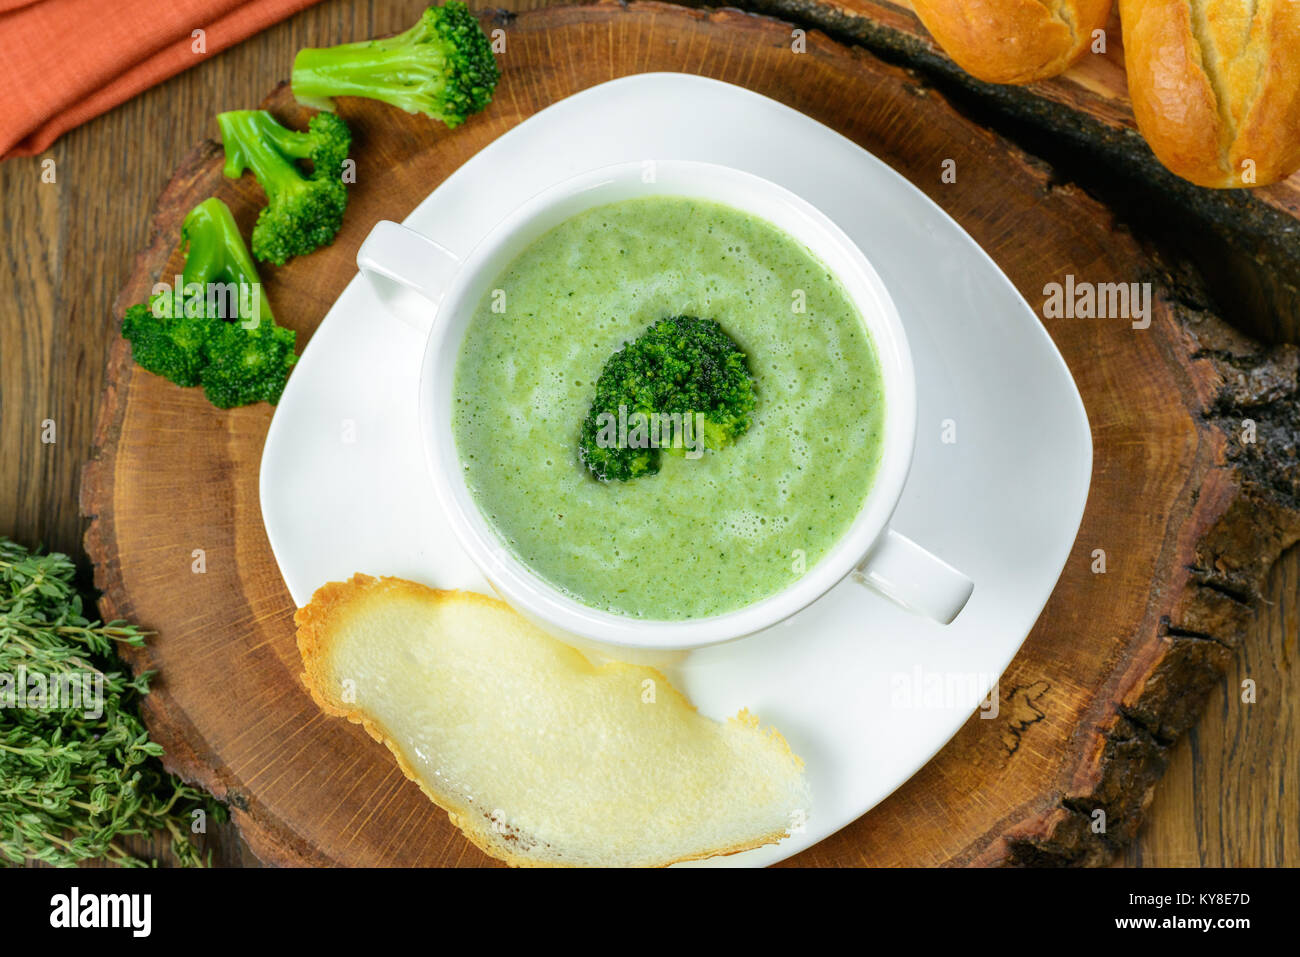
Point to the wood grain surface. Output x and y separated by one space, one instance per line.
75 239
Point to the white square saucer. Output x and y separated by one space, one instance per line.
344 487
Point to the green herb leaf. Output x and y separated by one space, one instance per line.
74 780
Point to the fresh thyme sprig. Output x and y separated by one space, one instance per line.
75 780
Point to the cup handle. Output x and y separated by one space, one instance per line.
906 573
407 270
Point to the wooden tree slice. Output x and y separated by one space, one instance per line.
1189 515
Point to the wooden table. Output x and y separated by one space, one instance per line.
1222 800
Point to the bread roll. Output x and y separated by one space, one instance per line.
1215 86
1013 41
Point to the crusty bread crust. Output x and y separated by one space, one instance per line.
1206 107
1013 41
316 632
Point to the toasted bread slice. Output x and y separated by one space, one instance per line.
539 756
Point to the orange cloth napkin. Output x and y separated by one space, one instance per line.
63 62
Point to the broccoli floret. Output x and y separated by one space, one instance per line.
169 347
220 331
442 67
681 364
247 365
304 210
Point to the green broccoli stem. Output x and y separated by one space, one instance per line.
393 70
254 140
216 252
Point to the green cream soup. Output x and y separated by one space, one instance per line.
702 536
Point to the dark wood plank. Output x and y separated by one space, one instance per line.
1228 797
